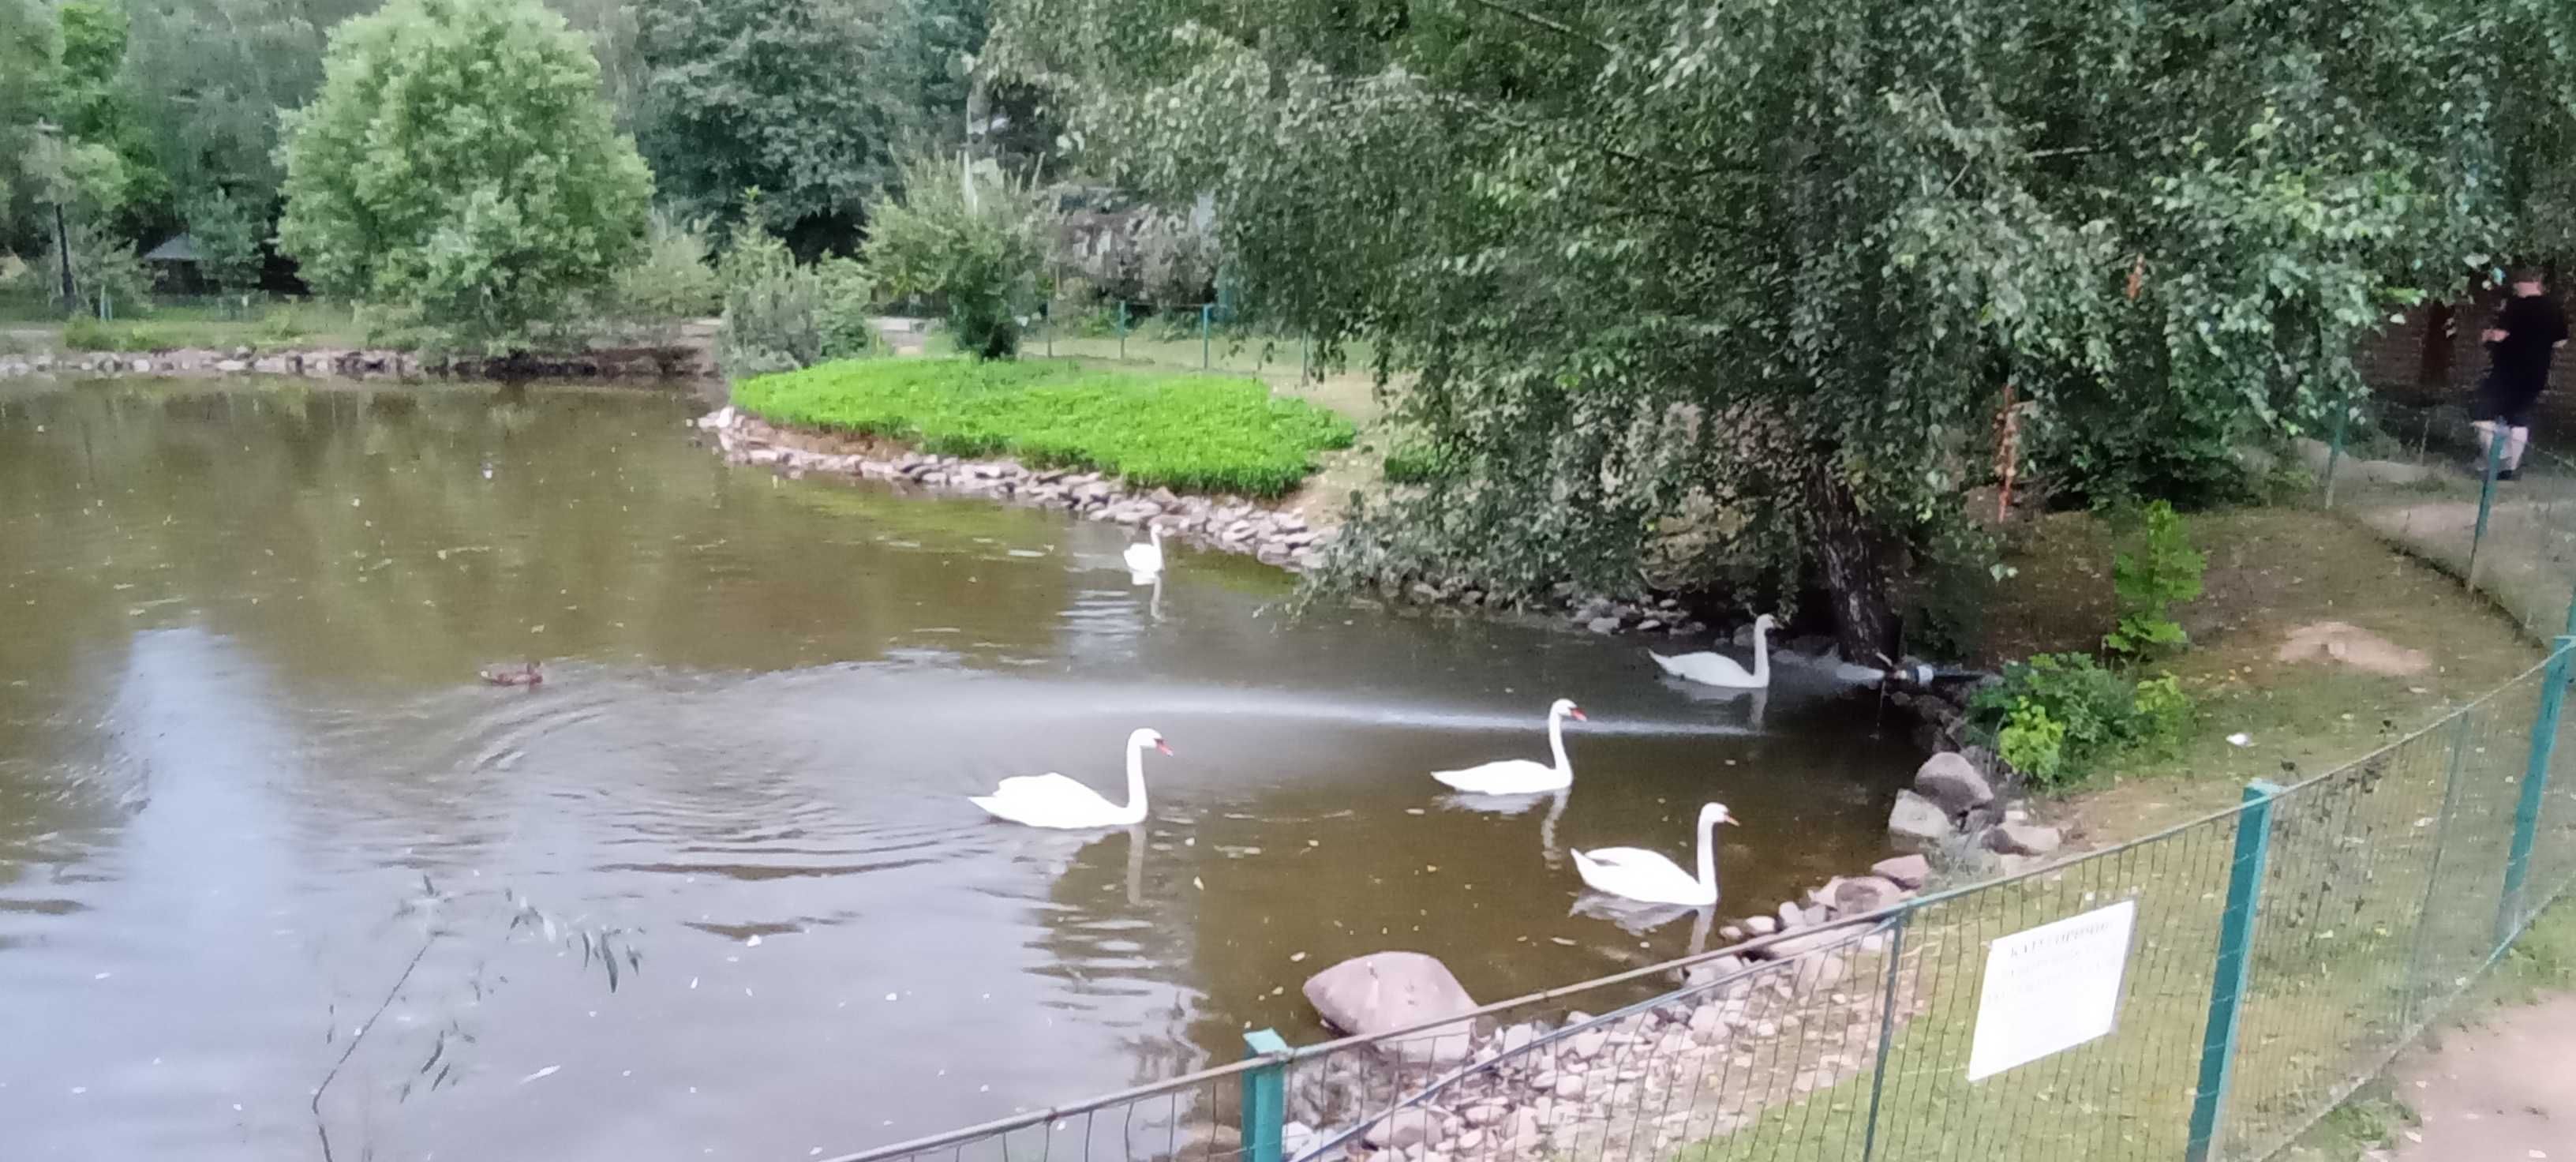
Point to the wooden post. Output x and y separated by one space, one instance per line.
2235 957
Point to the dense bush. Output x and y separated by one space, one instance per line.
459 168
670 285
780 314
1193 432
971 240
2056 716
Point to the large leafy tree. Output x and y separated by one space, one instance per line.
807 103
459 164
210 76
1768 272
27 55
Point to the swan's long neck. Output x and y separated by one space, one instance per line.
1708 854
1155 531
1761 655
1556 740
1136 778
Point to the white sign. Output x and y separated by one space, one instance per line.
2051 988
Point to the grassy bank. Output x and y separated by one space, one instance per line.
1202 433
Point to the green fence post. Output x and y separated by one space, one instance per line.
1886 1030
1265 1097
2535 789
2235 956
1204 308
2486 499
2334 451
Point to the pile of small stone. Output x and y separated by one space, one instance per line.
1953 810
1699 1065
1234 524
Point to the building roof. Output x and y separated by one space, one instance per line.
182 248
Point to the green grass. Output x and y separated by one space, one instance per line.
1200 433
265 327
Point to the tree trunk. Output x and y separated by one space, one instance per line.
1852 557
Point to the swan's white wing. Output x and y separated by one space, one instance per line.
1048 800
1507 777
1144 559
1635 873
1707 668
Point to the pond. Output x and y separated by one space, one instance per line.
714 888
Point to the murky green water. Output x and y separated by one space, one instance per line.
250 789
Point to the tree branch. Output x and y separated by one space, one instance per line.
1556 26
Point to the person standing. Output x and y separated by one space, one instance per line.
2527 332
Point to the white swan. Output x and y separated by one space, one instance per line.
1522 776
1146 561
1638 874
1715 669
1052 800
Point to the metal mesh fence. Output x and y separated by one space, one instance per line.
2278 954
2463 497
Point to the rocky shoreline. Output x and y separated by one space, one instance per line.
367 363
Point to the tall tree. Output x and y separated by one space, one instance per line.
94 106
210 77
808 103
459 164
1768 271
27 52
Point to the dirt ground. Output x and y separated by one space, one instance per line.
2498 1089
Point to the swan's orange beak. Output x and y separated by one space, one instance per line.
1727 819
1577 712
1162 746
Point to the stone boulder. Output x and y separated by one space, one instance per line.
1905 871
1854 896
2023 839
1919 819
1382 992
1951 781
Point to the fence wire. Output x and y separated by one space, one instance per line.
2382 893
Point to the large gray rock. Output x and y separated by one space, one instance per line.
1383 992
1859 895
2023 839
1905 871
1951 781
1919 819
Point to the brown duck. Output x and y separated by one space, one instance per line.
523 675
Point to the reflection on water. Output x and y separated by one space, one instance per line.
261 827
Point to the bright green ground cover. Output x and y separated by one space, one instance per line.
1202 433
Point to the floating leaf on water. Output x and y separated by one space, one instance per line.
1562 940
1198 883
548 1071
754 942
1295 957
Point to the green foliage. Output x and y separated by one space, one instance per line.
673 283
2156 571
89 333
104 268
27 53
208 77
2033 742
227 233
1413 460
1641 262
94 107
2064 714
973 241
805 102
1191 432
458 166
780 314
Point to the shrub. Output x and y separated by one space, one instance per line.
1191 432
83 333
780 315
671 284
458 167
2055 716
2157 570
1417 461
974 242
